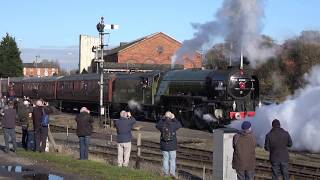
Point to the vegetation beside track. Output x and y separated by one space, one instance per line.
92 169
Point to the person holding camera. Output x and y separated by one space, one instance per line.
124 136
168 127
40 129
84 130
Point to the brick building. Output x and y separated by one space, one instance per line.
157 48
40 69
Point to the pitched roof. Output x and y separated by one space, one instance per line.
134 42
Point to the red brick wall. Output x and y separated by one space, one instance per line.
32 72
156 50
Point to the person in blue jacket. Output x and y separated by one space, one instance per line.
124 136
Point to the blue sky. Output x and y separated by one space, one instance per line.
44 24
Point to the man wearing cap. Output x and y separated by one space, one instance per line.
244 156
277 142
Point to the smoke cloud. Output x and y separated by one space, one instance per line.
299 115
237 22
133 105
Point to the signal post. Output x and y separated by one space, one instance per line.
100 27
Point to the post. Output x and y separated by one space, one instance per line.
138 150
51 139
60 106
204 173
68 132
37 56
222 154
100 28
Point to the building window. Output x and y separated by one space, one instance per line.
160 49
46 71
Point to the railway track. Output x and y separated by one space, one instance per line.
193 159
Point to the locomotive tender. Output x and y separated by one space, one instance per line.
199 98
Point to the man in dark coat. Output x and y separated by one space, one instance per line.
244 156
168 145
40 131
84 129
23 114
9 125
277 142
124 136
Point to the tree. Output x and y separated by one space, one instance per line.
272 81
10 61
63 72
299 55
215 57
74 71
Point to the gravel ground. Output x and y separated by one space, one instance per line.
188 137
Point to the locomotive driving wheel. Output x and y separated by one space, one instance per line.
186 120
198 119
200 123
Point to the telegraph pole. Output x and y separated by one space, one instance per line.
37 56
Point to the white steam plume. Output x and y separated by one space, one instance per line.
134 105
299 115
238 22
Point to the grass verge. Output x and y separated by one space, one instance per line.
92 169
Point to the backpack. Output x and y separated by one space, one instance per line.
167 134
44 119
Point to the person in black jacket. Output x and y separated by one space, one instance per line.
23 114
277 142
168 127
124 136
84 129
9 125
40 131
